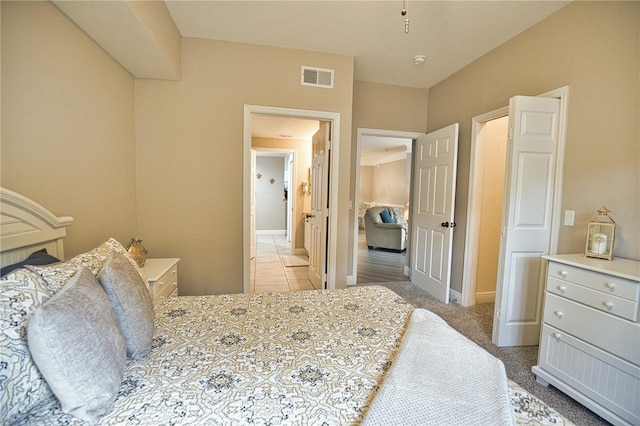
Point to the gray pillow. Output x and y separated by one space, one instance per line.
131 303
76 344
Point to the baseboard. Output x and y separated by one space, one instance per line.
300 251
485 297
407 271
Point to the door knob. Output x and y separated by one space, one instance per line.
445 224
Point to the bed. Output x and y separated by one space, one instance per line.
360 355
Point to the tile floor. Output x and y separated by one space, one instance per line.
268 273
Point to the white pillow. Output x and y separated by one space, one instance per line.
131 303
77 345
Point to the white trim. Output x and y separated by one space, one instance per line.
362 131
332 237
485 297
475 170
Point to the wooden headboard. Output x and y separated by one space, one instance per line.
26 226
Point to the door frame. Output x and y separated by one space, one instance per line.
352 278
332 233
290 230
476 165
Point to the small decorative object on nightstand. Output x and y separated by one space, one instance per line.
162 275
137 251
600 234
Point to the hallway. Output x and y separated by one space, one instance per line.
269 272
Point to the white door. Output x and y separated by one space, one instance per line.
252 210
526 219
319 219
436 156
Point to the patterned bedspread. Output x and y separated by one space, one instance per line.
307 357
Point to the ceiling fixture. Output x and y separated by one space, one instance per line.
419 59
403 12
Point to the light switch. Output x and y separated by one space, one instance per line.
569 217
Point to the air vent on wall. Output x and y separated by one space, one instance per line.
317 77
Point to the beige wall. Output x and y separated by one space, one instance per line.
384 107
494 153
366 184
302 155
592 47
390 186
190 152
68 138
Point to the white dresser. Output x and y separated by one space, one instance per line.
162 275
590 338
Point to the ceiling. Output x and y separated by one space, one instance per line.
450 34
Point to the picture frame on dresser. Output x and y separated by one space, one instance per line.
590 336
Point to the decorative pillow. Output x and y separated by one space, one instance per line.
131 303
397 215
40 257
75 341
385 216
22 387
58 274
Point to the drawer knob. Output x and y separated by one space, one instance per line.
562 289
608 305
559 314
563 274
556 336
611 286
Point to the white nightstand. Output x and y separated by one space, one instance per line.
162 275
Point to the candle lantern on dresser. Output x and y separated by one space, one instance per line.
590 334
600 233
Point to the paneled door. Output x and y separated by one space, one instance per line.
526 219
319 215
252 211
436 156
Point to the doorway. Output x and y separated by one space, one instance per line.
530 214
378 149
468 296
332 204
486 195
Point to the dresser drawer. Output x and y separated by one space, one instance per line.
620 287
608 332
603 301
167 283
583 367
162 275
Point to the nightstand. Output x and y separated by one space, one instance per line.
162 275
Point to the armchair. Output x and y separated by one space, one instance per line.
391 235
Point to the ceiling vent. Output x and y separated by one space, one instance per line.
318 77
